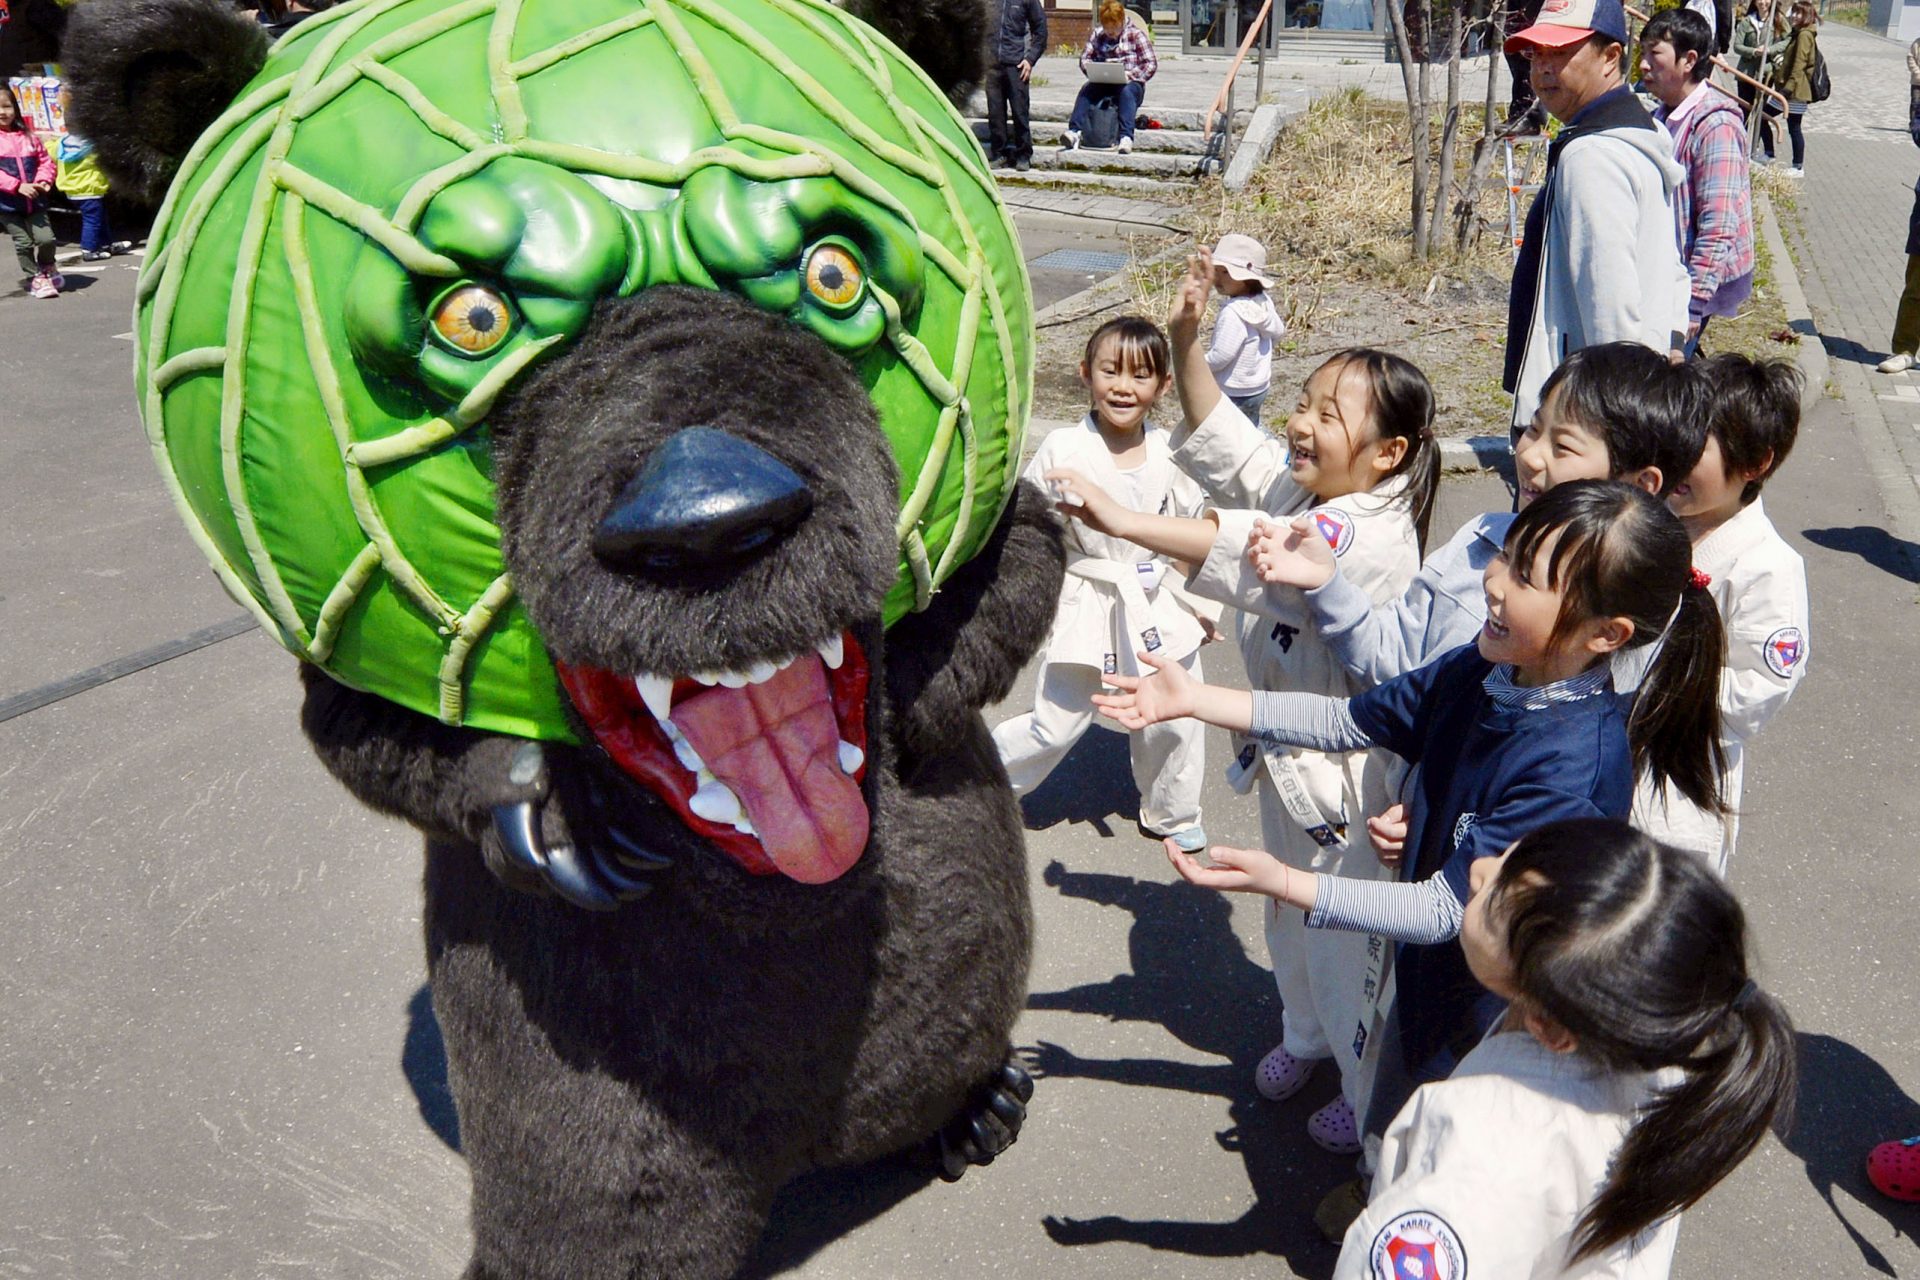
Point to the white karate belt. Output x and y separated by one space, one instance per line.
1132 584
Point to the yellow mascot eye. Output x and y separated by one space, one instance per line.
472 319
834 276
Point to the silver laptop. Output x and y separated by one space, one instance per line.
1107 72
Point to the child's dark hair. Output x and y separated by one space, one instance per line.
1756 415
1650 412
1400 403
1142 343
1640 952
1621 553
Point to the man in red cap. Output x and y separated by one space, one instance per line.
1599 262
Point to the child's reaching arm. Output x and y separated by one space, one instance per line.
1079 498
1291 719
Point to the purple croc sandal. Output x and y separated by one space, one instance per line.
1280 1075
1333 1128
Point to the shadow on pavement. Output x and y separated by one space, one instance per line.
1190 975
1849 1104
423 1059
1843 348
813 1211
1873 544
1092 784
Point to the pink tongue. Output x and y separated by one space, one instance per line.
777 744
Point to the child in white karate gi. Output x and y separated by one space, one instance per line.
1636 1066
1757 580
1363 469
1118 599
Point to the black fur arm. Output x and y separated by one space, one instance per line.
965 650
441 778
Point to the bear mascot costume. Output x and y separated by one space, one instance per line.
616 405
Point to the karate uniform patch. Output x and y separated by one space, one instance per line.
1150 638
1418 1246
1334 525
1783 651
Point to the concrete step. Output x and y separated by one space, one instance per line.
1146 164
1047 133
1132 184
1054 109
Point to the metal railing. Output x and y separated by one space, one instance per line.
1218 126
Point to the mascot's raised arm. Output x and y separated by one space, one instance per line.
617 405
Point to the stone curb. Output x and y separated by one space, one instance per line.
1810 353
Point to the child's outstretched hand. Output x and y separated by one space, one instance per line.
1296 556
1079 498
1143 700
1190 301
1233 870
1388 831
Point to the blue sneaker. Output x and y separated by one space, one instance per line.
1192 840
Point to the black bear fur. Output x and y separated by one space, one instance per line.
146 77
634 1086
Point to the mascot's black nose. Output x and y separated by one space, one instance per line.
703 497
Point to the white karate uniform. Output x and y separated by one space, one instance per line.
1759 584
1118 599
1319 972
1486 1173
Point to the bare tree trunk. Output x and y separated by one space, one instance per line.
1466 223
1414 81
1450 121
1423 138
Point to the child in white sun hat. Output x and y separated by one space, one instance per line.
1244 331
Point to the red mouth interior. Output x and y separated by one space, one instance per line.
775 745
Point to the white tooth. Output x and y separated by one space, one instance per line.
715 802
851 757
832 652
689 758
734 680
707 677
762 671
786 662
657 693
744 827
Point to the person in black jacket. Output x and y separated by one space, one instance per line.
1019 37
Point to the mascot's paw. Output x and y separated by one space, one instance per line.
531 846
987 1125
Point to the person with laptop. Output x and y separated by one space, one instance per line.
1118 62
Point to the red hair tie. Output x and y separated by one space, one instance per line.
1698 580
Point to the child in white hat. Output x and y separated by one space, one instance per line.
1244 331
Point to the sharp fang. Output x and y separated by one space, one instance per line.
716 802
832 652
657 693
851 757
762 671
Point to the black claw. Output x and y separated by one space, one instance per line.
571 880
1014 1078
626 881
953 1162
518 826
990 1137
632 853
1012 1112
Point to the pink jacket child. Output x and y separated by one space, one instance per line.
24 162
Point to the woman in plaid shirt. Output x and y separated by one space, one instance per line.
1115 40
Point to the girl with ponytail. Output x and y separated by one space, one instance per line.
1520 728
1637 1064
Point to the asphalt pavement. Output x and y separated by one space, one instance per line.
218 1059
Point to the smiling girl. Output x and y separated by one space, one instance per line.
1359 465
1118 598
1636 1066
1519 728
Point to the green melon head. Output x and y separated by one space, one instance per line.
416 202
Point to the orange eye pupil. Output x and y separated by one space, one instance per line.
472 319
833 276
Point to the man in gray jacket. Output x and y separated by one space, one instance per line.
1599 262
1017 38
